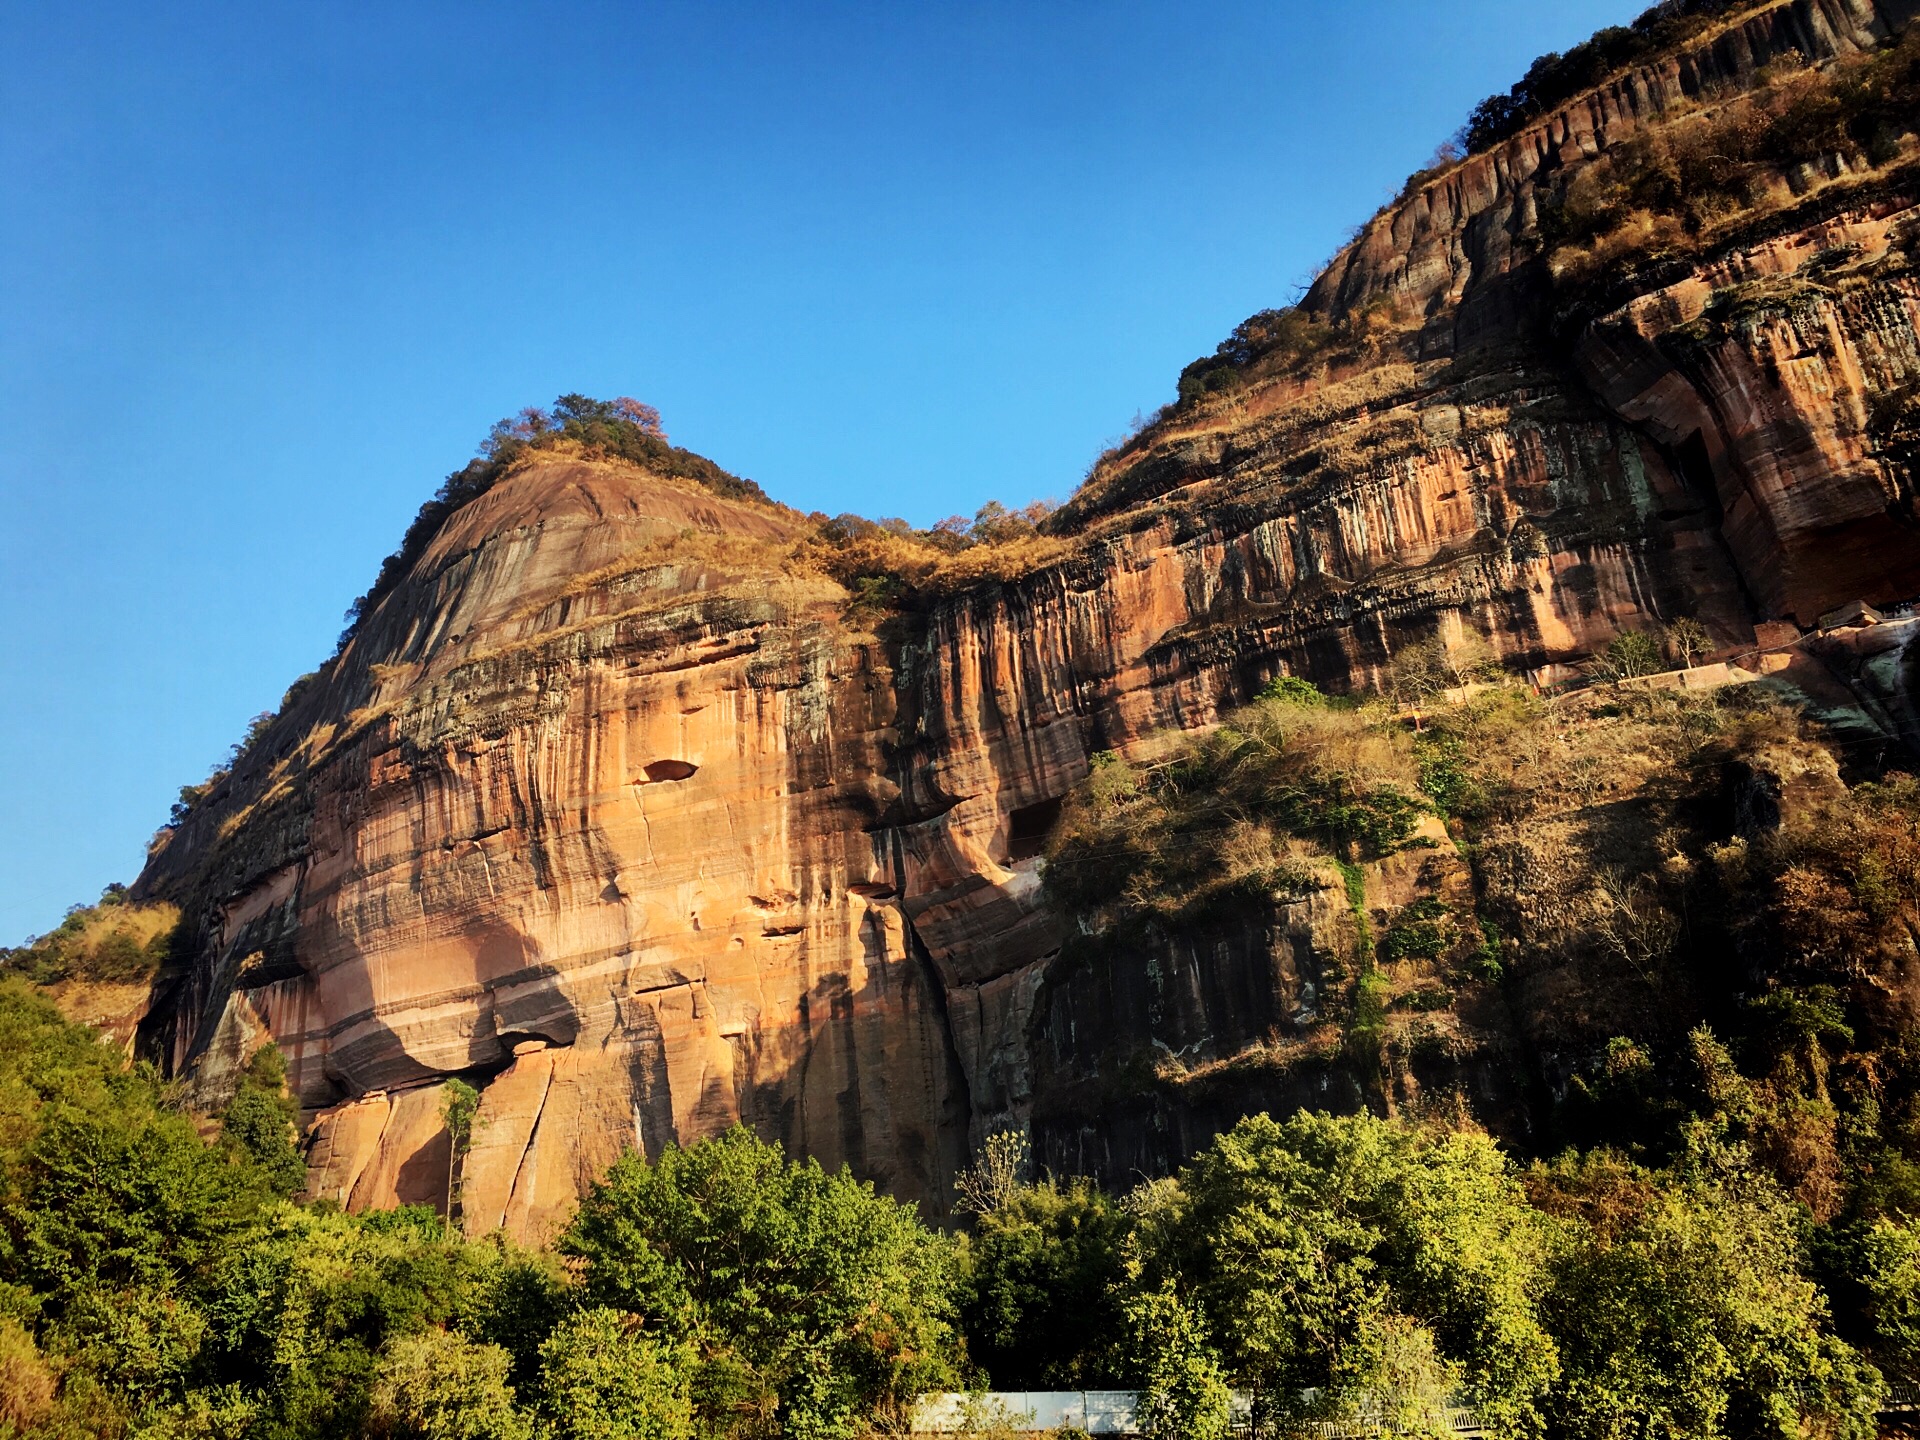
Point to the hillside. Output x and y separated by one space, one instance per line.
646 805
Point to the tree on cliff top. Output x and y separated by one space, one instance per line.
625 428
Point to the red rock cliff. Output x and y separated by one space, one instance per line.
615 809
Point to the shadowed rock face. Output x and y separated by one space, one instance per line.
611 810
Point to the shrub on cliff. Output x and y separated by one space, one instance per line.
112 941
625 428
259 1123
1672 188
889 566
1238 815
1554 78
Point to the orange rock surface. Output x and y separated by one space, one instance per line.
614 809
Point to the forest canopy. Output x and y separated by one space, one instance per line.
157 1280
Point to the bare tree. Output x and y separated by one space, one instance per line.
1629 920
999 1169
1688 639
1467 657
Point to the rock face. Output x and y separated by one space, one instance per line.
614 809
590 814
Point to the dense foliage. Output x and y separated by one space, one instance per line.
1674 188
154 1282
1232 818
1668 190
109 942
1341 1266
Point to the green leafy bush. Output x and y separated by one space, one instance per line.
1421 931
436 1385
259 1122
603 1378
1042 1306
790 1281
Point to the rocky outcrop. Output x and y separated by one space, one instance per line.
1462 248
615 809
1763 371
596 835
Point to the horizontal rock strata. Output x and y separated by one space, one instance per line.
614 809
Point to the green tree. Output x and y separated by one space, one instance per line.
259 1121
214 1412
304 1311
143 1343
1184 1393
439 1386
834 1298
1043 1308
1888 1269
603 1378
1630 653
1684 1311
1316 1248
459 1108
115 1192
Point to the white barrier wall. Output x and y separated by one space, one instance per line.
1097 1412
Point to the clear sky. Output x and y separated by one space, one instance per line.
268 271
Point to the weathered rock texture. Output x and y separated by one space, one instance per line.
612 809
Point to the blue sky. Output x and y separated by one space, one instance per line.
269 271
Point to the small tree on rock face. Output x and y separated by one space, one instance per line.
458 1107
260 1122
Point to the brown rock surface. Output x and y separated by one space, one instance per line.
613 808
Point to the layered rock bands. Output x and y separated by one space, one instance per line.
616 811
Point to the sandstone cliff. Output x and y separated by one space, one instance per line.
618 808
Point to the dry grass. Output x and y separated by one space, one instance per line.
887 570
1243 815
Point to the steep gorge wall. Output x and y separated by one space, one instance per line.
616 811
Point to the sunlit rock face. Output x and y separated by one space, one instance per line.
587 814
614 810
